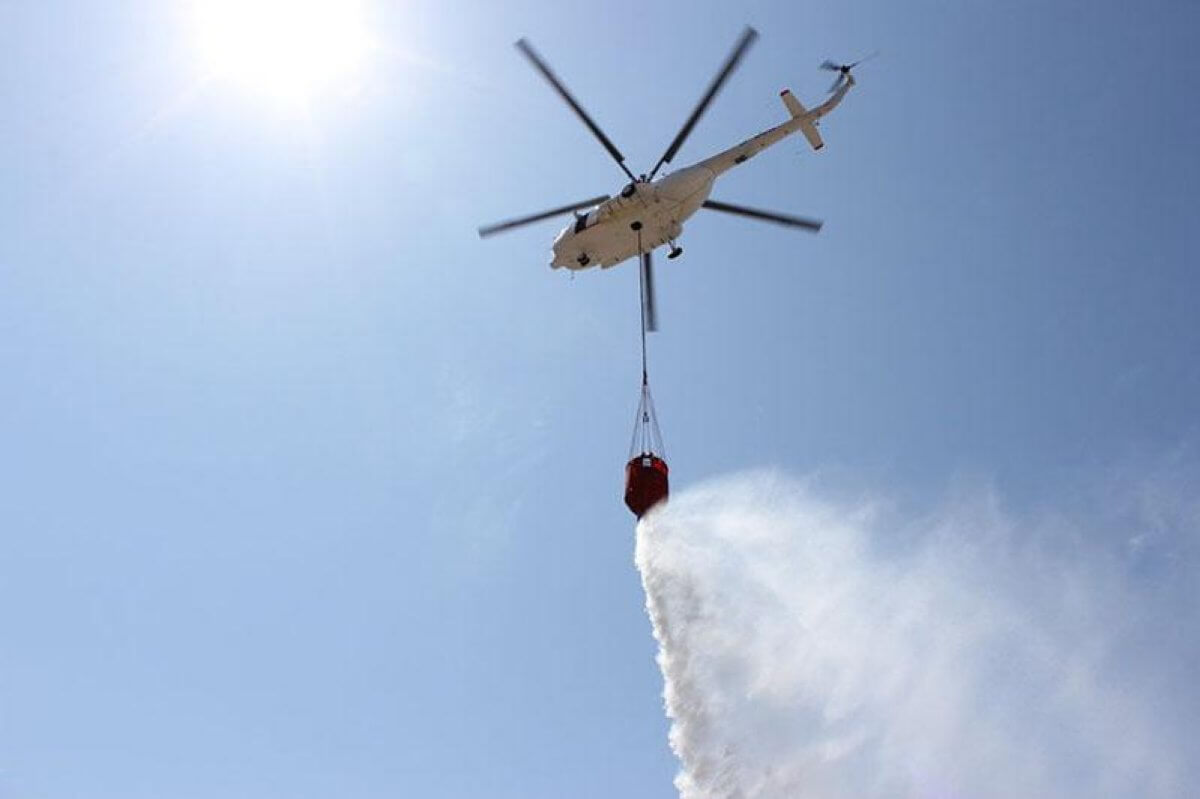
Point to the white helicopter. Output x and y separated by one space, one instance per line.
648 213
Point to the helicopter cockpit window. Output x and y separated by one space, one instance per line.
581 222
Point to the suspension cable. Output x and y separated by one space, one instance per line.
642 296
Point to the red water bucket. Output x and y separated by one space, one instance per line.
645 483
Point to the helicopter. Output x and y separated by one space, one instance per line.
649 212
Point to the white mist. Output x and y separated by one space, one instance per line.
814 647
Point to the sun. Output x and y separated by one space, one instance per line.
287 50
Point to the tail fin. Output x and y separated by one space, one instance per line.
798 111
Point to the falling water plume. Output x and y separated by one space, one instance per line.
813 646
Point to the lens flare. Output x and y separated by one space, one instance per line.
286 50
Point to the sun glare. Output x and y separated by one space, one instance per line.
287 50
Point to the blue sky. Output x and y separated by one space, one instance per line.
307 491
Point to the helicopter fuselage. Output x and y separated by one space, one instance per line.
604 236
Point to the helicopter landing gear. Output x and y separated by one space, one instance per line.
676 250
583 259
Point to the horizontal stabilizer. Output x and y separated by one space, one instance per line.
809 129
792 104
798 111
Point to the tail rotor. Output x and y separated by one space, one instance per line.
843 70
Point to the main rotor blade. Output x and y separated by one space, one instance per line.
739 50
527 50
500 227
768 216
650 306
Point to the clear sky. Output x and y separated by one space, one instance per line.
306 491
